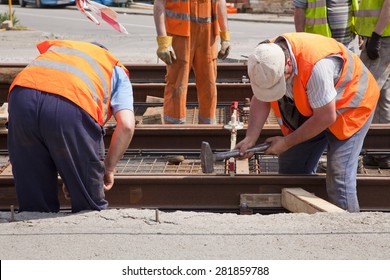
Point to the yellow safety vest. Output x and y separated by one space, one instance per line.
367 17
317 17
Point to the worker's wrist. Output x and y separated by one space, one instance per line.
375 36
164 40
225 35
110 170
289 141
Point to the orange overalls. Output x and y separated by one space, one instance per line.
194 28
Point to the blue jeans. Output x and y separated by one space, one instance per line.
342 163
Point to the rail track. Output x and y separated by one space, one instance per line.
147 179
148 80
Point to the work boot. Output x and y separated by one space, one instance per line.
384 162
377 161
322 165
370 160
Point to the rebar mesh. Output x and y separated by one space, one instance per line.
160 164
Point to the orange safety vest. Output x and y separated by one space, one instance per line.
178 16
78 71
357 90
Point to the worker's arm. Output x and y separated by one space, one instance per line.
300 7
258 114
120 140
224 30
159 17
165 50
384 18
299 19
222 16
321 119
122 106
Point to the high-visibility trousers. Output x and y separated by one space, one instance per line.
199 53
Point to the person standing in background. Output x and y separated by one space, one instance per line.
330 18
373 24
187 33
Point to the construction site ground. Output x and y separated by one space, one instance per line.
149 234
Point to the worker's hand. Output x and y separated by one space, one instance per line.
360 42
108 180
165 51
225 45
278 145
244 145
373 45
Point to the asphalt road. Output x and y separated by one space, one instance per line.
139 46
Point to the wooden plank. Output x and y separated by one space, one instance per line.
3 114
7 170
298 200
242 166
154 99
259 200
153 115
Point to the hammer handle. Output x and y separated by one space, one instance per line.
236 152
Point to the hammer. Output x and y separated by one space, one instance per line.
207 158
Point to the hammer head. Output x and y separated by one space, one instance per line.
206 158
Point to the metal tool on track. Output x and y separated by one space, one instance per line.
207 158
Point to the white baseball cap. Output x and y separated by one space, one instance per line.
266 72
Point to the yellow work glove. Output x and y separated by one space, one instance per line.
165 51
225 45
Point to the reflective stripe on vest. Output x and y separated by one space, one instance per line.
68 68
357 90
76 71
367 18
178 16
316 18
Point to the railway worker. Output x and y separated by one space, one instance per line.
57 108
331 18
373 24
187 33
323 97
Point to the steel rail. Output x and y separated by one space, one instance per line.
191 136
148 73
213 191
149 79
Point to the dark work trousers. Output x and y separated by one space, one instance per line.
50 135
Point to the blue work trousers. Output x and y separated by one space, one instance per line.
48 136
342 163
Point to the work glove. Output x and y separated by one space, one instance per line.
165 51
373 45
225 45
